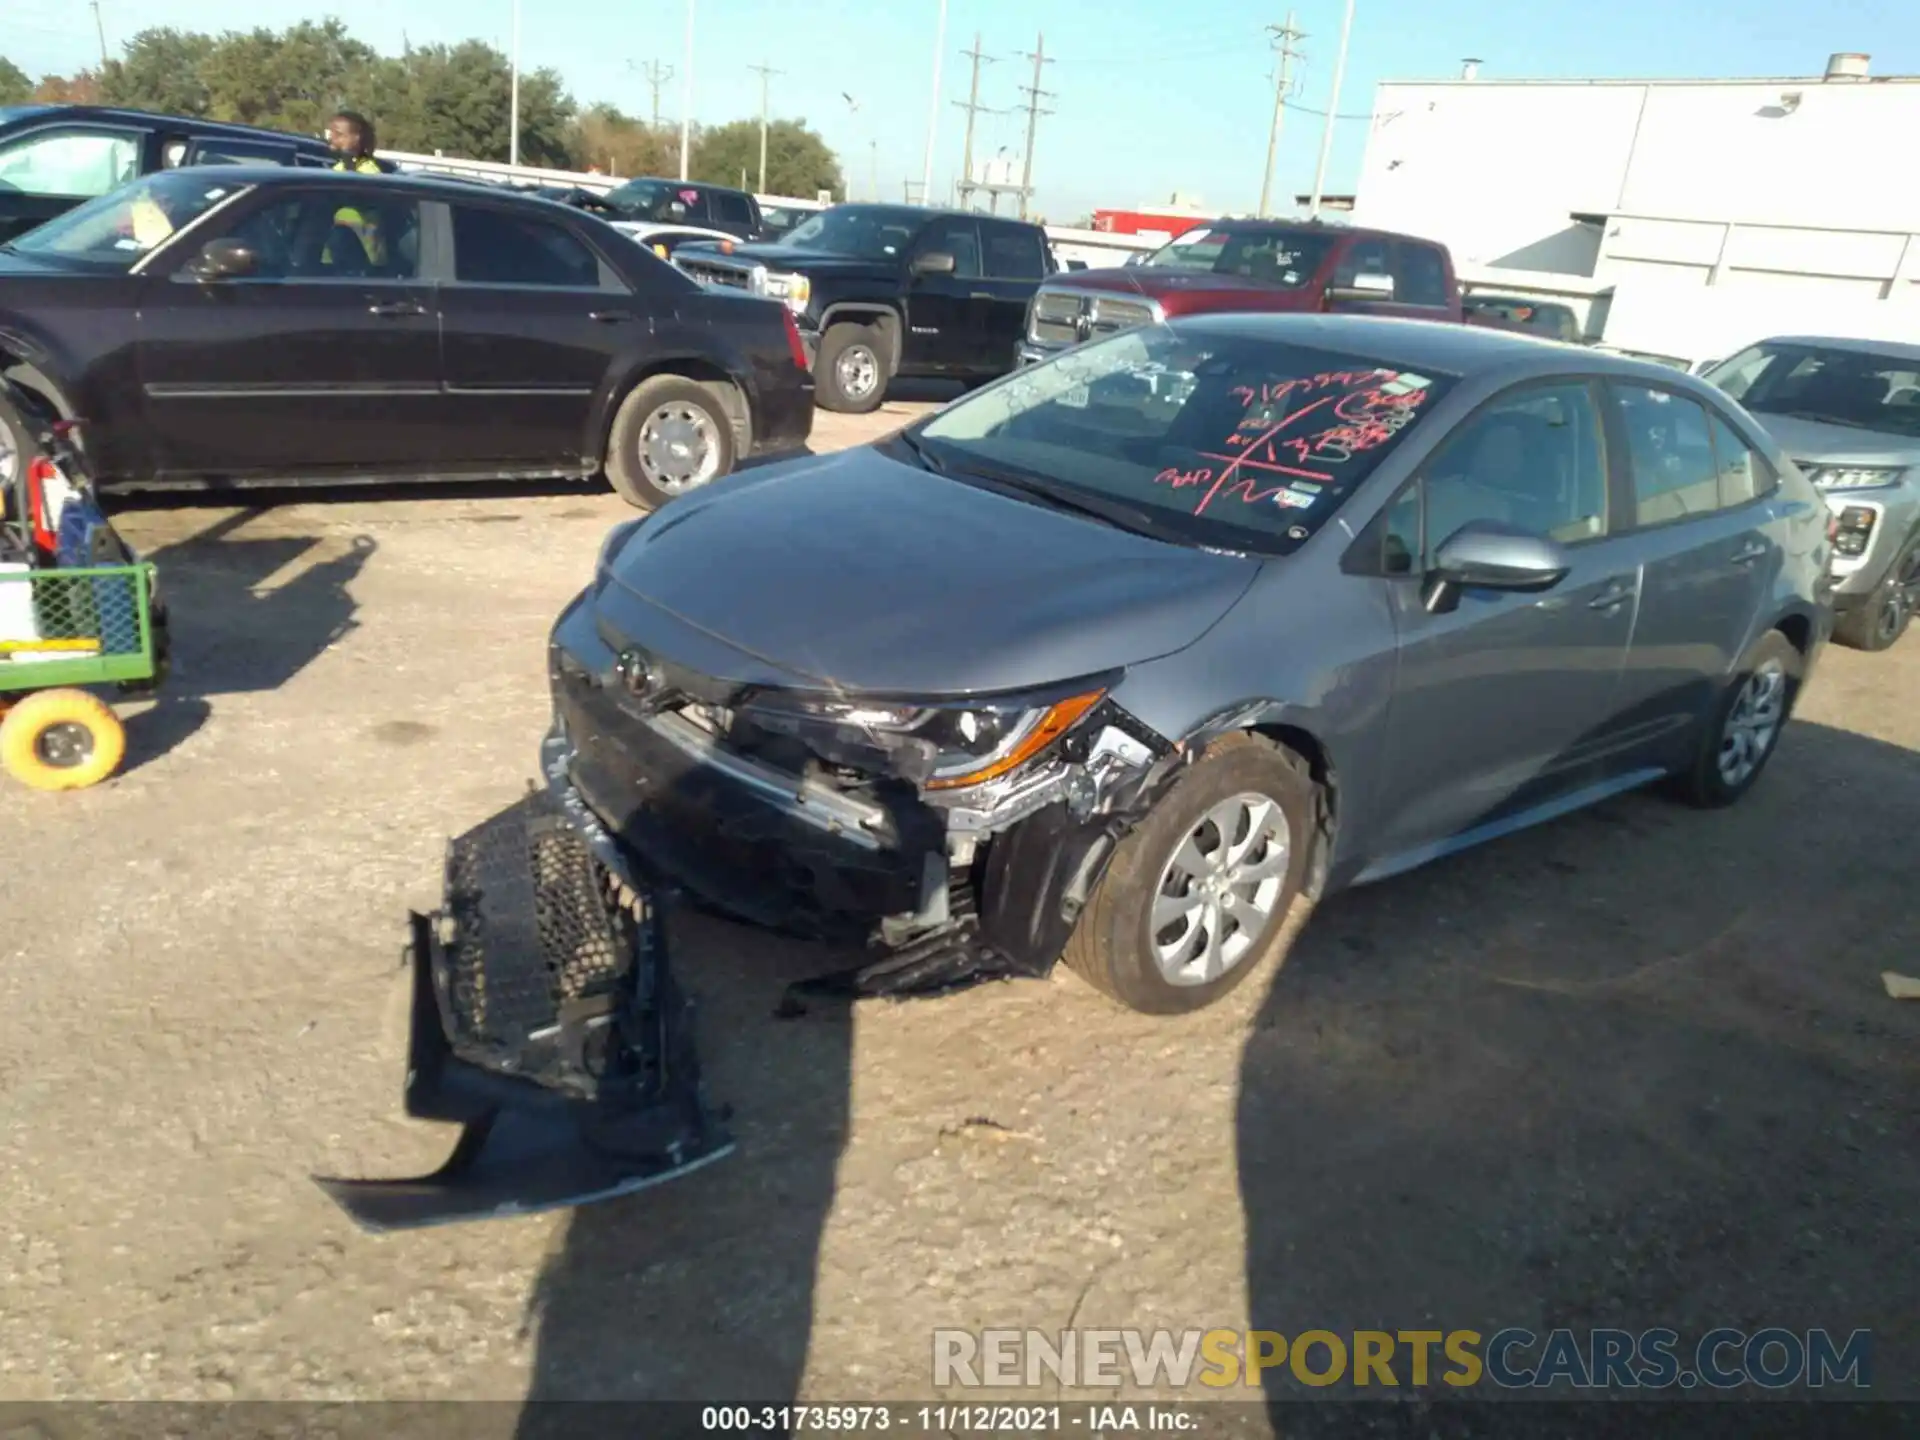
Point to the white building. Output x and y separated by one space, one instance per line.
1693 210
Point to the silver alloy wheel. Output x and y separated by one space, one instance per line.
1218 892
1903 590
679 447
857 369
1753 724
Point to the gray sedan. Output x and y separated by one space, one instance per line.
1123 655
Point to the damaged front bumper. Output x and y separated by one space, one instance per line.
546 1024
948 888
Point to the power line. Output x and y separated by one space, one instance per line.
1309 110
766 72
1284 36
1034 96
657 76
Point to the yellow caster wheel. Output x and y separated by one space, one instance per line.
61 740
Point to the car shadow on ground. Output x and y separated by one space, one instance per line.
1632 1069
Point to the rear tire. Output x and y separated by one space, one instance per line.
850 374
1745 728
1884 615
671 435
1200 908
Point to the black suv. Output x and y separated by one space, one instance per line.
886 290
52 157
232 325
651 201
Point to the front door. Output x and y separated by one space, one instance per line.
1506 701
532 322
944 319
325 360
1014 262
1705 536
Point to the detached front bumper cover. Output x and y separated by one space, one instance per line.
545 1023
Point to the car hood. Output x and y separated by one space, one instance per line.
1814 442
857 572
790 257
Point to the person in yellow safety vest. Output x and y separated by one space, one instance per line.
350 137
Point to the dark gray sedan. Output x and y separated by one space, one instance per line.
1121 656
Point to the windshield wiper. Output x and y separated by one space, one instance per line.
928 460
1113 512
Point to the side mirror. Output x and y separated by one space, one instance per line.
224 260
934 262
1362 290
1486 555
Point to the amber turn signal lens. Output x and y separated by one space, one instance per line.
1056 722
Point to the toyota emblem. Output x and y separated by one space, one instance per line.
637 673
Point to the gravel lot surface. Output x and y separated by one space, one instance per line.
1634 1068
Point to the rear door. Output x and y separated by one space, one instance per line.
532 320
47 169
943 333
1507 701
1704 533
325 360
732 212
1014 262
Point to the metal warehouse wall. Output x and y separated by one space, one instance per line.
1496 169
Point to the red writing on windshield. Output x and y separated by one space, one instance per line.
1276 390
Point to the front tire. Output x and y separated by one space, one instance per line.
1198 896
850 376
1885 614
1744 730
669 436
61 740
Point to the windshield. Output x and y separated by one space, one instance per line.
1227 440
867 232
658 200
1287 258
115 230
1857 388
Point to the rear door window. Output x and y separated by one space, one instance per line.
1670 448
238 152
730 208
493 247
1419 274
1013 252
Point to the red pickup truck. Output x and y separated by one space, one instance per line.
1241 265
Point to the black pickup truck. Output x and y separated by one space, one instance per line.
881 291
52 157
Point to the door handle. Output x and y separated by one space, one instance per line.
1612 598
1752 553
982 295
610 317
393 308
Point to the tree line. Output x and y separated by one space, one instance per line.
448 98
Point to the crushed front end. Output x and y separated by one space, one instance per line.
546 1024
958 840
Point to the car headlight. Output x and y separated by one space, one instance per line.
796 290
967 744
1855 477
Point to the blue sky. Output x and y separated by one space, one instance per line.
1153 96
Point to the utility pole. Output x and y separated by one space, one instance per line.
657 75
1333 107
1284 36
933 102
1034 96
767 72
686 99
513 105
972 107
100 29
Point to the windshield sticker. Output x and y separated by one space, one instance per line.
1287 497
1359 411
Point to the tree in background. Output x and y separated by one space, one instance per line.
159 69
456 98
622 145
799 162
292 80
15 87
80 88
